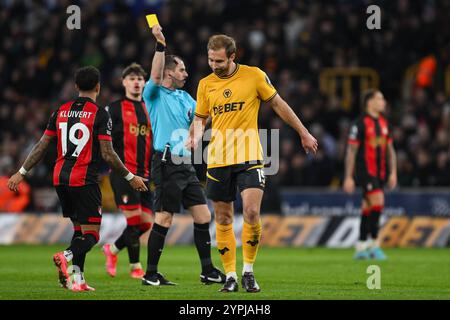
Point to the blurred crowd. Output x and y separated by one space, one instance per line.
292 41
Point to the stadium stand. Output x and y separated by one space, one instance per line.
293 41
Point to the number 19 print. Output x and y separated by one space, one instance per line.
78 126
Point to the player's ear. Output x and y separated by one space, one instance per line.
97 88
232 56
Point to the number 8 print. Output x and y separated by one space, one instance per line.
79 142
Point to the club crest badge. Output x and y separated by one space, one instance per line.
227 93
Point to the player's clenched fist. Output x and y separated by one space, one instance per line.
137 183
157 32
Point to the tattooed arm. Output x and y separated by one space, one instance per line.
111 158
392 180
36 154
349 182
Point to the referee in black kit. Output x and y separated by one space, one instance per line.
171 111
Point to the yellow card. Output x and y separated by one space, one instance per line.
152 19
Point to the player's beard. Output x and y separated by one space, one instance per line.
222 72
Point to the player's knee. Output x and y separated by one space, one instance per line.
92 235
134 231
164 219
377 207
376 198
133 234
134 220
144 227
202 219
147 216
251 213
224 217
202 216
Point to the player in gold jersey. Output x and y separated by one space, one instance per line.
231 96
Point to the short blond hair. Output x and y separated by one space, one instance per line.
220 41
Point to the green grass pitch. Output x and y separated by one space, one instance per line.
27 272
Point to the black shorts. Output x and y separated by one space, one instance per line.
81 204
127 198
370 184
223 182
175 185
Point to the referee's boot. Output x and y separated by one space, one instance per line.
214 276
156 279
249 283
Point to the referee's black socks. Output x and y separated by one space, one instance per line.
202 239
155 247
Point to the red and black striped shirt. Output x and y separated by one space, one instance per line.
78 125
132 135
373 136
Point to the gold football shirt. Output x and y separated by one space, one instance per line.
233 103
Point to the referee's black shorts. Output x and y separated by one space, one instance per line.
175 185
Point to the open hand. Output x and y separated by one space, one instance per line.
138 183
392 181
191 143
309 143
349 185
14 181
